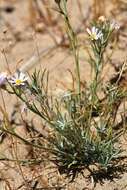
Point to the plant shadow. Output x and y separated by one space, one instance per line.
100 175
112 173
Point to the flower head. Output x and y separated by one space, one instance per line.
102 19
94 33
3 77
18 79
114 25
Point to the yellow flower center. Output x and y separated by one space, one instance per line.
94 36
18 82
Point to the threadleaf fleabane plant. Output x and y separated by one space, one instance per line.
82 123
99 35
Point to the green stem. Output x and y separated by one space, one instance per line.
24 140
73 42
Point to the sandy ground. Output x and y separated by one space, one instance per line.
19 46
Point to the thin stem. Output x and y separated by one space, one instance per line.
24 140
73 42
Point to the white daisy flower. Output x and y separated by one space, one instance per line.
18 79
94 33
3 77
